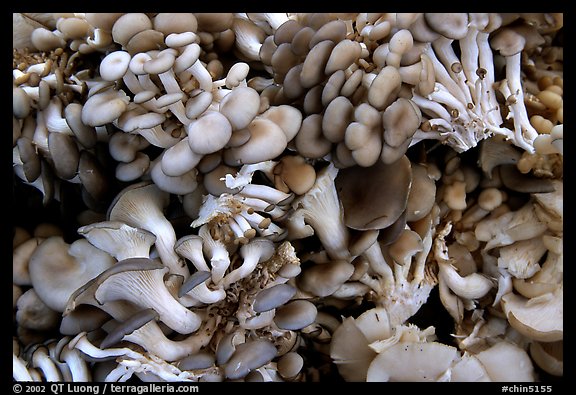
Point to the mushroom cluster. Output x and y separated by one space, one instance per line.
288 196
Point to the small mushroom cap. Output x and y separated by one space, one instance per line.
92 175
537 321
199 360
65 155
287 117
114 65
324 279
32 312
267 141
549 357
209 133
134 322
85 135
360 188
295 315
337 117
249 356
513 179
294 174
193 281
451 25
118 239
273 297
310 141
84 318
400 121
313 67
214 22
240 106
20 103
290 364
128 25
334 31
31 164
422 195
104 107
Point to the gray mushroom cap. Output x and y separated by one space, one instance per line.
374 197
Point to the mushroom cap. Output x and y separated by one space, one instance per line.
537 321
422 195
505 361
313 67
180 22
104 107
85 135
400 121
344 54
384 87
294 174
451 25
295 315
427 362
128 25
240 106
324 279
114 65
209 133
119 239
376 196
350 351
507 41
273 297
249 356
267 141
57 269
287 117
65 155
33 313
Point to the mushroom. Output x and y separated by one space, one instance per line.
358 192
141 205
540 318
118 239
141 282
33 313
267 141
57 269
321 208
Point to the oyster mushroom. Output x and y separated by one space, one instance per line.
359 188
141 205
57 269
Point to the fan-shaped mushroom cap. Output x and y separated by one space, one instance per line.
267 141
361 188
540 320
57 269
240 106
141 205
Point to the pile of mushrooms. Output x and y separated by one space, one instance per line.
288 197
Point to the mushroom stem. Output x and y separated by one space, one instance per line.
322 210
